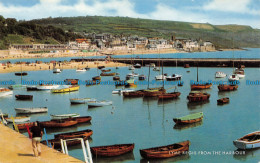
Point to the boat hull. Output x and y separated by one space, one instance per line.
200 86
169 95
23 97
18 120
249 141
112 150
31 110
227 87
58 123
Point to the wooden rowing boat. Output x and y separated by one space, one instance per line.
200 86
22 126
138 93
196 96
58 123
108 74
225 87
169 95
191 118
31 110
81 100
223 100
82 119
64 116
20 73
77 134
154 92
65 90
166 151
18 119
71 81
112 150
248 141
24 97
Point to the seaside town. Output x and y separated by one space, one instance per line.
148 85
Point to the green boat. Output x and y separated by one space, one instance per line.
192 118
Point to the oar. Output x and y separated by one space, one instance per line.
28 130
46 138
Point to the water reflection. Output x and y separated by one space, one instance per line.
194 105
173 159
186 126
121 158
244 155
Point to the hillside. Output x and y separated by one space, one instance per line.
223 36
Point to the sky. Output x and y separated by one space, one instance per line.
217 12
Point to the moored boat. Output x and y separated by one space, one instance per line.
47 87
81 119
108 74
191 118
233 77
166 151
137 65
249 141
58 123
197 96
22 126
18 119
24 97
20 73
71 81
112 150
105 70
223 100
76 134
156 69
56 70
64 90
154 92
141 77
161 77
31 110
81 70
96 78
131 67
225 87
169 95
174 77
64 116
31 88
99 103
121 91
81 100
240 73
5 92
220 74
200 86
116 78
137 93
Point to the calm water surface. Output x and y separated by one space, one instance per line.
148 122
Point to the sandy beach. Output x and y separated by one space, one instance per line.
49 66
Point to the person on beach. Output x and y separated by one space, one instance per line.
36 134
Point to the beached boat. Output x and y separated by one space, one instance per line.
32 88
24 97
233 77
249 141
5 92
108 74
58 123
56 143
20 73
197 96
56 70
47 87
112 150
64 90
81 70
174 77
121 91
22 126
191 118
105 70
169 95
81 100
116 78
141 77
223 100
71 81
31 110
166 151
225 87
99 103
18 119
220 74
64 116
76 134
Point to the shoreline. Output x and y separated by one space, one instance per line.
5 54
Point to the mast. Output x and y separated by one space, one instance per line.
197 72
149 77
162 74
21 69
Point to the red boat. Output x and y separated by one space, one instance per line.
77 134
22 126
154 92
24 97
112 150
196 96
169 95
200 86
82 119
166 151
72 81
58 123
223 100
138 93
225 87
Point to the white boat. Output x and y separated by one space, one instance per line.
248 141
174 77
31 110
81 70
137 65
56 70
64 116
156 69
5 92
150 65
240 73
131 67
233 77
220 74
81 100
18 119
99 103
47 87
160 77
132 75
121 91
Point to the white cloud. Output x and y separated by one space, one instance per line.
237 6
56 8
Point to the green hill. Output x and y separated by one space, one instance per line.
223 36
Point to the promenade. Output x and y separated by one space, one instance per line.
17 148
